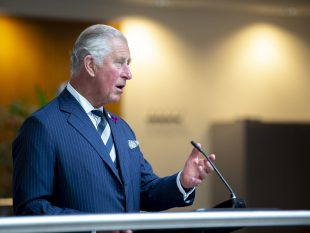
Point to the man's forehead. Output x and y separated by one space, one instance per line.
121 49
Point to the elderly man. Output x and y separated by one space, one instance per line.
73 156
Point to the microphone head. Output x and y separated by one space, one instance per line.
195 144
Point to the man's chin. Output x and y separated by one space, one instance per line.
115 99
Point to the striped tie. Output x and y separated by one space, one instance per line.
104 131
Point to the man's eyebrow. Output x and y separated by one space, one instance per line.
125 59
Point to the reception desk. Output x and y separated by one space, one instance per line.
152 221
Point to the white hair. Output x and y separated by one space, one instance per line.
95 41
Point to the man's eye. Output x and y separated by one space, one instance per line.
120 63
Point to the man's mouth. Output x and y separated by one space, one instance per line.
120 87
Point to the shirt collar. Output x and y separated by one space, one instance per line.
81 99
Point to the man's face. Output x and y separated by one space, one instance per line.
113 73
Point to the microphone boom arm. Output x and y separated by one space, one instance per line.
232 193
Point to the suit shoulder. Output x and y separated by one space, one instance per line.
47 113
48 108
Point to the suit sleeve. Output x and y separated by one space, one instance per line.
159 194
34 156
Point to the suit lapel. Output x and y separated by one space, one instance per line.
79 119
121 147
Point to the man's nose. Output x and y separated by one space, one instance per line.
127 73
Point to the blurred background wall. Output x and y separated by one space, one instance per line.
194 64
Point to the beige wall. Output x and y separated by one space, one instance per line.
204 67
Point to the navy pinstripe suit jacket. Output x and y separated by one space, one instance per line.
61 167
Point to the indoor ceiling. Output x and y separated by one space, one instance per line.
98 9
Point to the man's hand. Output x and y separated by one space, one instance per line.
195 170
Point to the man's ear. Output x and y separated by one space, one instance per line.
90 65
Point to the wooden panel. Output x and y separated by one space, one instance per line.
35 56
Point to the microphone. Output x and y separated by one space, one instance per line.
234 201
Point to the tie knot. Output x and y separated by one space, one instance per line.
97 113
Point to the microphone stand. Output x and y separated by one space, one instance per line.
233 202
